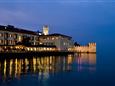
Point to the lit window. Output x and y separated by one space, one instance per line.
10 35
40 33
0 41
64 43
31 49
28 49
0 34
5 27
53 38
35 49
56 37
19 38
44 48
40 43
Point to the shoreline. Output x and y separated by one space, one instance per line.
31 54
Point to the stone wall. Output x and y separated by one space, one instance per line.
90 48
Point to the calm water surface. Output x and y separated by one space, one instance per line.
70 70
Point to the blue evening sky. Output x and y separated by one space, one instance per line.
84 20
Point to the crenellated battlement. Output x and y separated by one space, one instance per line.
90 48
92 44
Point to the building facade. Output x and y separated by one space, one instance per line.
9 35
62 42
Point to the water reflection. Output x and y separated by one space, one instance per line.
86 62
43 67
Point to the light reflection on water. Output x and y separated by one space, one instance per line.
43 67
86 61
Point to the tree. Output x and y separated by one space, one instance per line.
26 41
76 44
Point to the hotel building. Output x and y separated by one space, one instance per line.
10 35
62 42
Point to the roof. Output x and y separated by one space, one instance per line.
56 34
18 30
48 46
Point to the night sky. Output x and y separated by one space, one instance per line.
84 20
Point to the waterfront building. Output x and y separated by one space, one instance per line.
62 42
13 39
10 35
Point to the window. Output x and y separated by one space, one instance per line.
9 42
0 41
1 34
64 43
48 38
19 38
53 38
5 41
56 37
14 35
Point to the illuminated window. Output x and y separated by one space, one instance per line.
10 35
0 41
1 34
31 49
40 43
19 38
53 38
56 37
35 49
40 33
64 43
44 48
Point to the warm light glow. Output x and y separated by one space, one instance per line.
31 49
53 38
15 67
10 71
69 59
5 69
40 42
85 59
19 38
34 64
45 30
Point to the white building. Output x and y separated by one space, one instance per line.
62 42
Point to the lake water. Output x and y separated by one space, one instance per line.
70 70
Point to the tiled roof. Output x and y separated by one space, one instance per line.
18 30
52 46
56 34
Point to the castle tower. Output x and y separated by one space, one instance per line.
45 30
